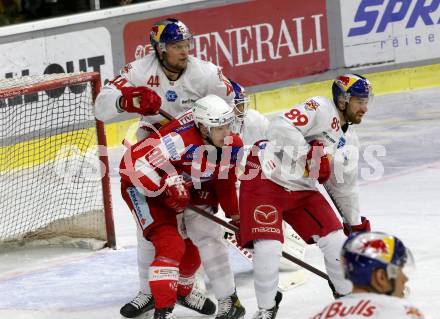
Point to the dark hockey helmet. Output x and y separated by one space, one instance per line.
169 31
363 253
241 100
349 85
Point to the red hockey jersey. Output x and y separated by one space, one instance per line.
178 149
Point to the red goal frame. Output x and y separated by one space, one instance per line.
95 79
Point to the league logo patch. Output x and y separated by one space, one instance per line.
266 215
341 142
171 96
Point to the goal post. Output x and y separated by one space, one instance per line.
54 169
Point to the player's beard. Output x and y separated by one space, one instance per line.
175 67
353 117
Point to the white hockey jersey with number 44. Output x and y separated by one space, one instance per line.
198 80
370 305
283 157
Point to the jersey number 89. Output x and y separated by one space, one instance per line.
296 117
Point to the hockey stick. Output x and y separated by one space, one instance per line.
235 229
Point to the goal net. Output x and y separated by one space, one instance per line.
54 183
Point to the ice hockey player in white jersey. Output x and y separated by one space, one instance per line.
252 127
376 263
280 183
168 79
170 72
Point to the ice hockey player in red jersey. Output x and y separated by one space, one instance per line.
377 264
190 161
280 182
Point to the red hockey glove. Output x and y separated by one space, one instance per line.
140 100
363 227
177 192
318 163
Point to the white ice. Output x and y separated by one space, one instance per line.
57 283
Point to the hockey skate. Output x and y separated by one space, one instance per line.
197 301
138 305
230 308
269 313
164 313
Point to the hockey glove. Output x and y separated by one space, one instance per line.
318 163
363 227
140 99
177 192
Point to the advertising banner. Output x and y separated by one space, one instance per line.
390 31
87 50
255 42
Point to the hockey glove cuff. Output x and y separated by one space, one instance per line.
363 227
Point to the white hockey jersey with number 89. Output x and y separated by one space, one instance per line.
283 157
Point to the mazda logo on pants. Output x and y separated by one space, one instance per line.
266 215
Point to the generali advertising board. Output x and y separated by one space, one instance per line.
255 42
390 31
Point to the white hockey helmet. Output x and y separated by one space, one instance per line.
212 111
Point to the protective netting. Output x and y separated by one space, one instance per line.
50 172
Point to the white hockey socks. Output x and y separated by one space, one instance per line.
145 256
330 246
208 237
267 254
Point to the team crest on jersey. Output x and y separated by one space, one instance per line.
413 312
127 68
229 88
171 96
311 105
